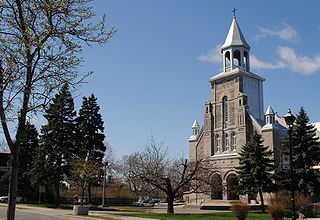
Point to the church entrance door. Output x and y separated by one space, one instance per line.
216 186
231 190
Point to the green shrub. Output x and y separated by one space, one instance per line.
240 210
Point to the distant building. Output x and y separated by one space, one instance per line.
235 110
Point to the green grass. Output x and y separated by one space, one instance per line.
209 216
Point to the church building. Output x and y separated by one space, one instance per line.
233 113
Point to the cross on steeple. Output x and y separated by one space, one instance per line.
234 12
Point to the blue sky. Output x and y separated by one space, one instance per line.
152 77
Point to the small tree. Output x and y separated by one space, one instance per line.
256 170
155 168
83 172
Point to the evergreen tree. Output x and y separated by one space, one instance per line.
256 170
90 134
306 153
90 129
58 138
28 145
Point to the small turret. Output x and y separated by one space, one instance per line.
270 116
195 131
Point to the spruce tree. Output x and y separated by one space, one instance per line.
90 128
90 134
306 153
58 137
256 170
28 144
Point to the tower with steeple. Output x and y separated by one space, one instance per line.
234 111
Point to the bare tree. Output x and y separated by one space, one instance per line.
41 42
154 167
83 172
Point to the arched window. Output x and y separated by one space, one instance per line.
227 60
226 142
233 141
225 110
236 58
218 143
246 61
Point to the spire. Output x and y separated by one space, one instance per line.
269 111
270 116
195 131
195 124
235 36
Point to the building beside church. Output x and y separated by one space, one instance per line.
235 111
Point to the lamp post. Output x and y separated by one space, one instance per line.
104 182
289 118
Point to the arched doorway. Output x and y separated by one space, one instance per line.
216 186
231 187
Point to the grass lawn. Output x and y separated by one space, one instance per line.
209 216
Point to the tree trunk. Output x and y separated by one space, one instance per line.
57 189
262 202
89 193
82 195
13 184
170 208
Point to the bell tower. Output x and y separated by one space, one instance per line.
235 50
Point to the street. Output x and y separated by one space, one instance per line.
26 213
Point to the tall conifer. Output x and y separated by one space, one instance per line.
256 170
58 137
90 128
306 153
90 134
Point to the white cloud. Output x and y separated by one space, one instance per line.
286 58
301 64
284 32
260 64
214 55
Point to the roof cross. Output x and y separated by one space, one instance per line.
234 12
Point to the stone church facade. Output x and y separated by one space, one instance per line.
235 111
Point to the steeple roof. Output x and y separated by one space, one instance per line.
235 36
269 111
195 124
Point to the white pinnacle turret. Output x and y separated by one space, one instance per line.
195 131
269 111
195 124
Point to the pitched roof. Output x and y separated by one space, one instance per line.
235 36
269 111
195 124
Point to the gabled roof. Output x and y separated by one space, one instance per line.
235 36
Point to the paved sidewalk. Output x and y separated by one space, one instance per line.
25 212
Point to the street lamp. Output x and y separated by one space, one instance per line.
104 182
289 118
